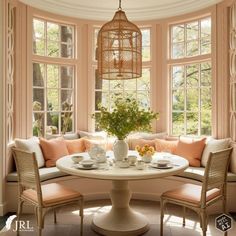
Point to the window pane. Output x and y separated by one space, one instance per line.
67 73
192 30
192 123
178 50
102 84
38 99
205 45
177 123
38 74
101 98
66 122
206 123
38 29
52 122
177 76
52 99
66 100
116 85
97 115
146 44
130 84
38 124
206 74
192 48
192 75
52 31
52 49
192 100
178 100
143 83
146 53
206 27
67 50
144 99
178 33
39 47
52 76
66 34
206 103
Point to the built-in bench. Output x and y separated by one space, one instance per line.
143 189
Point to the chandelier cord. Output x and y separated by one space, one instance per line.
119 5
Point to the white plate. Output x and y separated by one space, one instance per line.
79 166
162 167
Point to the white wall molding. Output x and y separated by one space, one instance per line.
136 10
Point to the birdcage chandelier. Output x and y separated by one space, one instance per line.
119 49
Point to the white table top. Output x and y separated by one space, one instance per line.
107 172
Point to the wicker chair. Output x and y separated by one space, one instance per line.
45 197
198 198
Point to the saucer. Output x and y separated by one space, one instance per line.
168 166
93 167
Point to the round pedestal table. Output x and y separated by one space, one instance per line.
121 219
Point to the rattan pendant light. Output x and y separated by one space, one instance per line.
119 51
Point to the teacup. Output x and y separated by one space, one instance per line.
163 163
132 159
124 163
140 165
87 163
77 158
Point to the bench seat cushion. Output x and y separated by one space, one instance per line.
197 173
45 174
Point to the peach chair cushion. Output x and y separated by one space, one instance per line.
190 193
140 142
165 145
192 151
75 146
52 194
53 150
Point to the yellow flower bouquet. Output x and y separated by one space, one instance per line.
146 152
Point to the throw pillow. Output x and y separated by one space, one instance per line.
140 142
31 145
75 146
165 145
213 145
95 135
53 150
192 151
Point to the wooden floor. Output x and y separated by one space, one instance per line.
68 221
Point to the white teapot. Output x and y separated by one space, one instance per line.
97 153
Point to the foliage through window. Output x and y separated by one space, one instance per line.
53 82
191 81
106 91
191 39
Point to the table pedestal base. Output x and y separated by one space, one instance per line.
121 219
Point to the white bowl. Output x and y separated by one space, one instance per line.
77 158
124 164
87 163
163 163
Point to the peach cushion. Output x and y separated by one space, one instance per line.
140 142
75 146
52 194
191 193
165 145
53 149
192 151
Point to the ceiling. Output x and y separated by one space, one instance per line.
135 9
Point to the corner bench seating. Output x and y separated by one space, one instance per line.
97 189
